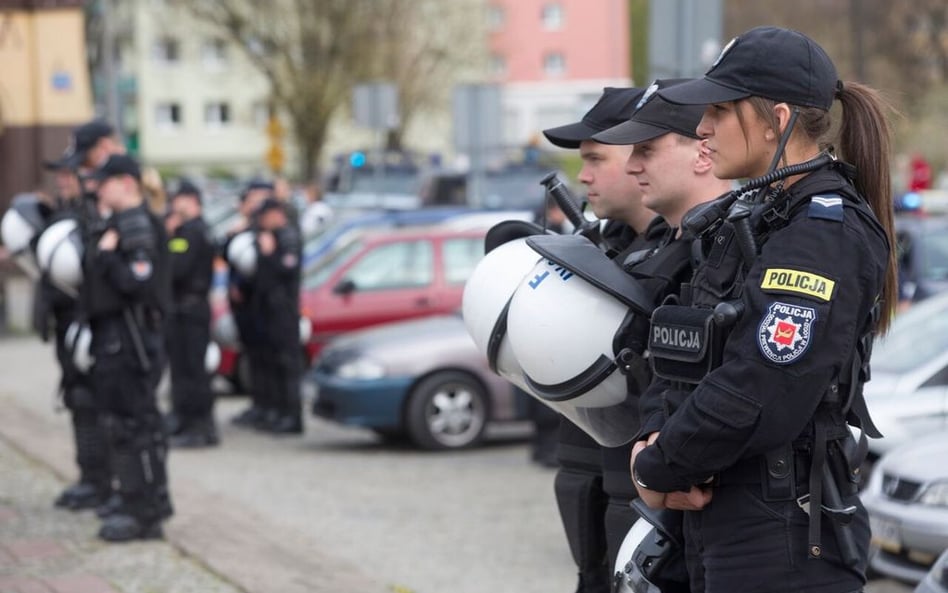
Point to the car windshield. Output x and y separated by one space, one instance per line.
324 269
513 190
916 337
392 182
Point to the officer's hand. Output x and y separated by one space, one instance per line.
693 500
109 240
653 499
235 294
267 242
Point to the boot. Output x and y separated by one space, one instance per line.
80 496
286 424
123 528
249 417
111 506
201 433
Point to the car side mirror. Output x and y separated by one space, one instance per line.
345 286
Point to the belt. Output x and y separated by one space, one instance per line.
755 470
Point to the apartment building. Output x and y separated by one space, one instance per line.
554 57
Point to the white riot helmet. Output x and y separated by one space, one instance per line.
20 224
242 253
212 357
79 343
651 559
485 299
59 253
224 331
566 322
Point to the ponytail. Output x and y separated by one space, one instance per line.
865 142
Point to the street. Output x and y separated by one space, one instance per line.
334 510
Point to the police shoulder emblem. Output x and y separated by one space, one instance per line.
785 332
141 269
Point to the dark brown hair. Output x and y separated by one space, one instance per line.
864 140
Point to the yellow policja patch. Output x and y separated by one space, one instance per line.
790 281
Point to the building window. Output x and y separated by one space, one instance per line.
214 54
166 50
552 16
554 64
168 115
216 115
495 18
498 65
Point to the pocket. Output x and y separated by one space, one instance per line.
725 420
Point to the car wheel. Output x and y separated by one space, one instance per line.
447 410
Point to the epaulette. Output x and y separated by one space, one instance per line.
826 207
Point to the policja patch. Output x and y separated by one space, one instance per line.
790 281
784 333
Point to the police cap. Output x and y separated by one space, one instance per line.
117 165
186 187
778 64
614 106
83 138
654 117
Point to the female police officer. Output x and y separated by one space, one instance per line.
763 359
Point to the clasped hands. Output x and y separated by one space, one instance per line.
694 499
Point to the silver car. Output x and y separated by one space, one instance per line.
907 500
908 393
936 581
424 379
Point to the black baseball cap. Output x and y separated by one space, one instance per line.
83 138
778 64
187 188
654 117
117 165
270 204
614 106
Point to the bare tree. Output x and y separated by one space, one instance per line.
313 53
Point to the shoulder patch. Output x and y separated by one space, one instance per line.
178 245
798 282
785 332
828 207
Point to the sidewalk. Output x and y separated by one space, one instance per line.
48 550
212 544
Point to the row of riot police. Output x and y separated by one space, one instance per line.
111 289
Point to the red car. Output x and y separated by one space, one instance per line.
388 276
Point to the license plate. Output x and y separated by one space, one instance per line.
886 534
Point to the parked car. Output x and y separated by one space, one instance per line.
908 391
907 500
354 222
388 276
936 581
922 251
422 378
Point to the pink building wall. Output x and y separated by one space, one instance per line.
594 39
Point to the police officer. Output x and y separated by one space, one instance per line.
192 258
593 499
127 294
276 299
764 359
90 145
240 288
53 304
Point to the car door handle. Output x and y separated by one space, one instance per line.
423 302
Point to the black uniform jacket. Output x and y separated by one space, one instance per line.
192 261
806 301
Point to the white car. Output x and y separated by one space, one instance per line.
936 581
907 500
908 391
